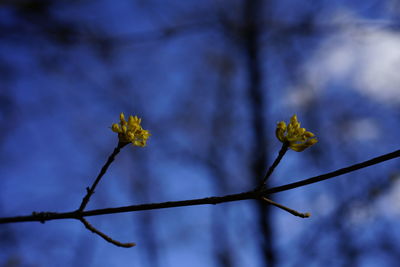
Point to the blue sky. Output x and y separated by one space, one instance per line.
61 93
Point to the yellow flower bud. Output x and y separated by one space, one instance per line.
115 128
295 137
280 131
309 134
122 119
131 131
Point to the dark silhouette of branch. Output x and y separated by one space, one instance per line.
292 211
254 194
322 177
104 236
249 37
90 191
47 216
271 169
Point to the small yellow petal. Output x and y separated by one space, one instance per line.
130 135
298 147
138 120
301 131
115 128
309 134
122 119
124 128
132 120
311 142
280 131
293 119
281 125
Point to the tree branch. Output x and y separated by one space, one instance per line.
47 216
255 194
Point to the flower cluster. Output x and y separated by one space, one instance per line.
295 137
131 131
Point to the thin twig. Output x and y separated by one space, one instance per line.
104 236
281 153
294 212
255 194
90 191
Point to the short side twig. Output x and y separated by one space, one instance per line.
90 191
294 212
104 236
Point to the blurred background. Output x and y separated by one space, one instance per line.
210 80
